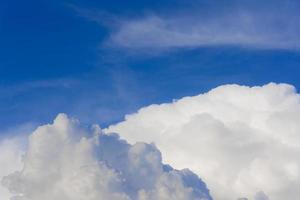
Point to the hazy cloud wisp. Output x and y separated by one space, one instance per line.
239 28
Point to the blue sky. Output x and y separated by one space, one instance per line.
99 60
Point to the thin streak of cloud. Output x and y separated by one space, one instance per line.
246 29
15 89
100 17
248 24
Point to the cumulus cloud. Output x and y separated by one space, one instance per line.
66 161
255 29
10 160
243 141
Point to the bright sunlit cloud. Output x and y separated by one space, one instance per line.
243 141
65 161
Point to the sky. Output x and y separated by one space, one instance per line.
207 85
100 60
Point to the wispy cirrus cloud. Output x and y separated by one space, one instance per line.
262 26
245 29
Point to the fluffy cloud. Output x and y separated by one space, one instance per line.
243 141
65 161
10 160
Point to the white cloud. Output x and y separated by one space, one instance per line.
265 29
65 161
10 160
243 141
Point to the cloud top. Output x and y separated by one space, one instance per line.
65 161
243 141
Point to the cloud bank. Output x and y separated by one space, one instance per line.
65 161
243 141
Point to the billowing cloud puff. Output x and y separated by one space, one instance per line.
243 141
65 161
